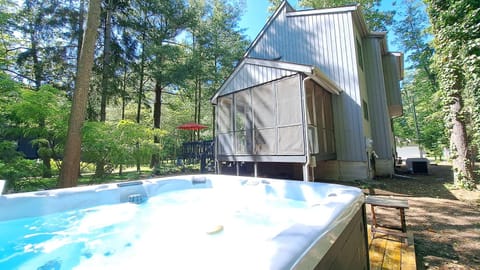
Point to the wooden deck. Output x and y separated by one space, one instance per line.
390 252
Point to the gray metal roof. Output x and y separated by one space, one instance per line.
252 71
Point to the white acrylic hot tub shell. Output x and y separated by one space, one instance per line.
300 246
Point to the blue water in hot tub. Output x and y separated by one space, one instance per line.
175 230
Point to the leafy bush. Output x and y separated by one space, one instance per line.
18 169
114 144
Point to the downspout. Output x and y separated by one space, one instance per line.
218 169
305 131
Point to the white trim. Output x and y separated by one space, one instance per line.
213 100
279 65
312 72
322 79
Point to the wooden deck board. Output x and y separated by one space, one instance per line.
390 252
408 254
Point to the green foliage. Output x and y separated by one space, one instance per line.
33 114
42 48
124 143
216 46
145 52
457 63
422 121
40 115
377 20
14 168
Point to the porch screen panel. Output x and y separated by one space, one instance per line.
264 106
310 98
290 140
289 117
325 121
225 144
243 122
312 121
265 141
224 107
322 139
265 138
329 128
289 102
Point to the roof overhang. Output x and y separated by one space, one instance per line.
321 79
311 72
400 60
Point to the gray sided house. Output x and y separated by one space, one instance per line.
312 99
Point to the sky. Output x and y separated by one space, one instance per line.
256 14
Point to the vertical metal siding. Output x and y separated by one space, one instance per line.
325 41
250 75
377 99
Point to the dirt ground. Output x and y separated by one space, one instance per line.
445 221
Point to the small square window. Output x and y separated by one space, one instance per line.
359 54
365 109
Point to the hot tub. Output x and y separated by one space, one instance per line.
185 222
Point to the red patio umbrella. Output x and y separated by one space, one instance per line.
191 126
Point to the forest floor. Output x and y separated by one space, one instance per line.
445 221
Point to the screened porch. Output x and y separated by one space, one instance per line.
262 130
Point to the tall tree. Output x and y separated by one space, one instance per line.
413 38
5 37
45 43
217 45
421 121
457 63
71 161
169 19
107 64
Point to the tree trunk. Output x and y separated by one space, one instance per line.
38 72
124 91
462 166
81 15
199 108
140 90
47 167
71 158
142 74
157 117
106 74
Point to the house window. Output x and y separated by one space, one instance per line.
365 110
359 53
